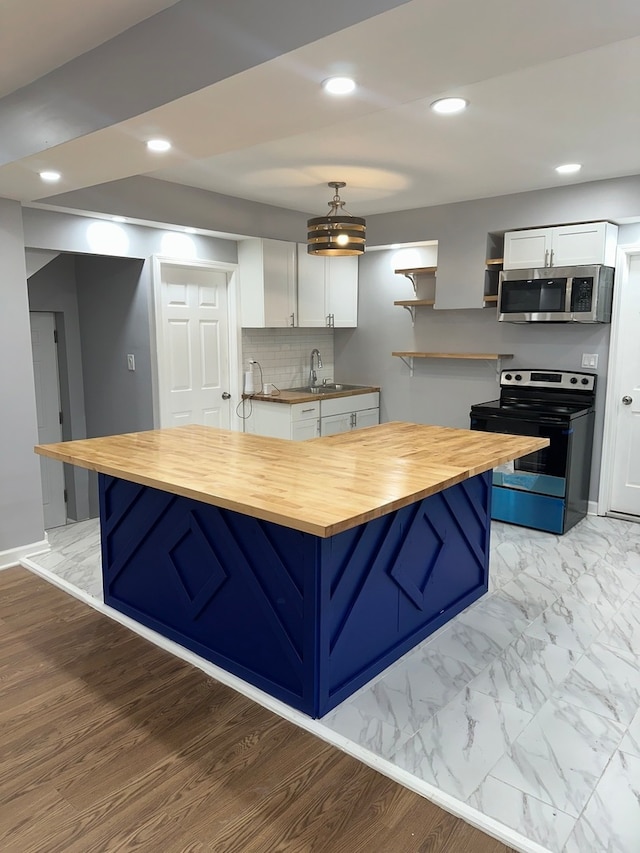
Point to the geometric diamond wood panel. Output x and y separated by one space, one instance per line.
225 585
409 573
307 619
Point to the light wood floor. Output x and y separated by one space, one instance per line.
108 743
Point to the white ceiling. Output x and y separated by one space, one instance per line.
547 82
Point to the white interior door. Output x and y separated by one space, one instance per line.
625 480
193 347
45 372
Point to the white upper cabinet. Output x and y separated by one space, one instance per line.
327 290
267 283
565 245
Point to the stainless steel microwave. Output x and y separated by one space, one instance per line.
556 295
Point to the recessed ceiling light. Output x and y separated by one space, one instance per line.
449 105
50 176
339 85
568 168
158 145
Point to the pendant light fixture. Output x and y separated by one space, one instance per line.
338 233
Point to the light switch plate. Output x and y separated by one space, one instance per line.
589 359
131 362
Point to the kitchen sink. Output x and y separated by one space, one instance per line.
329 388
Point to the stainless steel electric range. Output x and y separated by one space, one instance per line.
548 489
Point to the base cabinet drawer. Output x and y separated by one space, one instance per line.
353 403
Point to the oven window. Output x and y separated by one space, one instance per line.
538 295
543 472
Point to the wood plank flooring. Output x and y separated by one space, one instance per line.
108 743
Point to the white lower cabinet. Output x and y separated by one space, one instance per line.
297 421
342 414
300 421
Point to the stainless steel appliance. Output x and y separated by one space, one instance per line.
548 489
556 295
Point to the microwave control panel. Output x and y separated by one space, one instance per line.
582 294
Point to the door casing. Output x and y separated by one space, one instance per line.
233 314
623 260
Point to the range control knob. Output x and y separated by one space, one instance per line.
518 377
507 376
585 381
574 380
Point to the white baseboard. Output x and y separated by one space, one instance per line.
592 508
13 556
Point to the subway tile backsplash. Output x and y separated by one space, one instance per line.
283 354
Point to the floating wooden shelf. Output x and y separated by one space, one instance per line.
490 262
412 274
408 303
417 271
493 298
484 356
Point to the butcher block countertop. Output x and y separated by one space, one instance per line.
322 486
289 395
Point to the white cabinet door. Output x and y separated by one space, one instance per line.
334 424
311 289
263 418
561 246
586 243
267 283
327 290
302 430
369 417
525 249
341 296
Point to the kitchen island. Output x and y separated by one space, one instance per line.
305 568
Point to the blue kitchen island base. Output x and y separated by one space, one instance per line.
304 618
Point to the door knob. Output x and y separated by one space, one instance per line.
627 400
226 395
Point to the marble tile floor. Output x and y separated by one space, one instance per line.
526 706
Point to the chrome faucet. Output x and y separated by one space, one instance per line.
313 376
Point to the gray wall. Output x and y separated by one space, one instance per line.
461 229
442 392
113 303
21 519
53 288
66 232
161 201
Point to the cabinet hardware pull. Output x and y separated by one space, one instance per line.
551 259
546 257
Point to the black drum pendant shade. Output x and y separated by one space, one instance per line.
338 233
